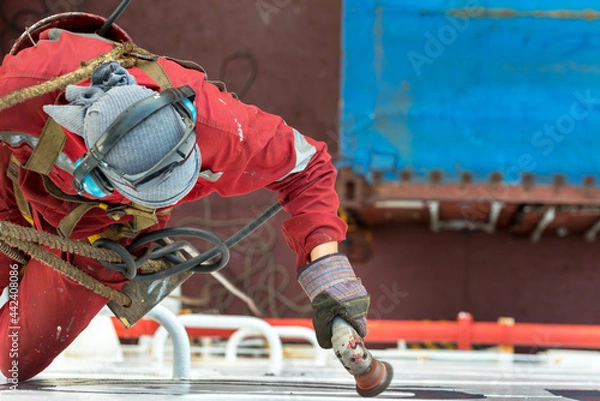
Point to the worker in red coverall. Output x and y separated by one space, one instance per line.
237 148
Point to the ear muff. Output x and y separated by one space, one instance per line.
189 105
95 185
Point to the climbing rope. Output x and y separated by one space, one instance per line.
157 263
70 271
17 240
12 253
125 53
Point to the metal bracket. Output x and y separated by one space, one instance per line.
590 234
546 219
489 227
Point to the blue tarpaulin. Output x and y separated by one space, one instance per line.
481 87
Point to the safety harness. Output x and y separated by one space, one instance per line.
50 146
47 149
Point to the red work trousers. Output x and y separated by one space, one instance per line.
45 314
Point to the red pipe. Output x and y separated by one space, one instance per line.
464 332
541 335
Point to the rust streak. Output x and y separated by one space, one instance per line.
587 14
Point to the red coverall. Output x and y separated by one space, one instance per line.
252 149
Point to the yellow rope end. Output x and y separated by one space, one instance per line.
94 238
29 220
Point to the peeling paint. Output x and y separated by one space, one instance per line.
240 130
353 343
152 286
356 358
70 324
587 14
158 286
163 289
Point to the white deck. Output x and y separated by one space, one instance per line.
437 375
97 367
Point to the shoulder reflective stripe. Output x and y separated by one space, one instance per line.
15 139
209 175
304 152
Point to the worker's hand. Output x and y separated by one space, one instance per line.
334 290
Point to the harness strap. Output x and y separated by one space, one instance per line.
50 145
69 222
155 71
143 217
13 173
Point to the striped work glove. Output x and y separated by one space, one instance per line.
334 290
